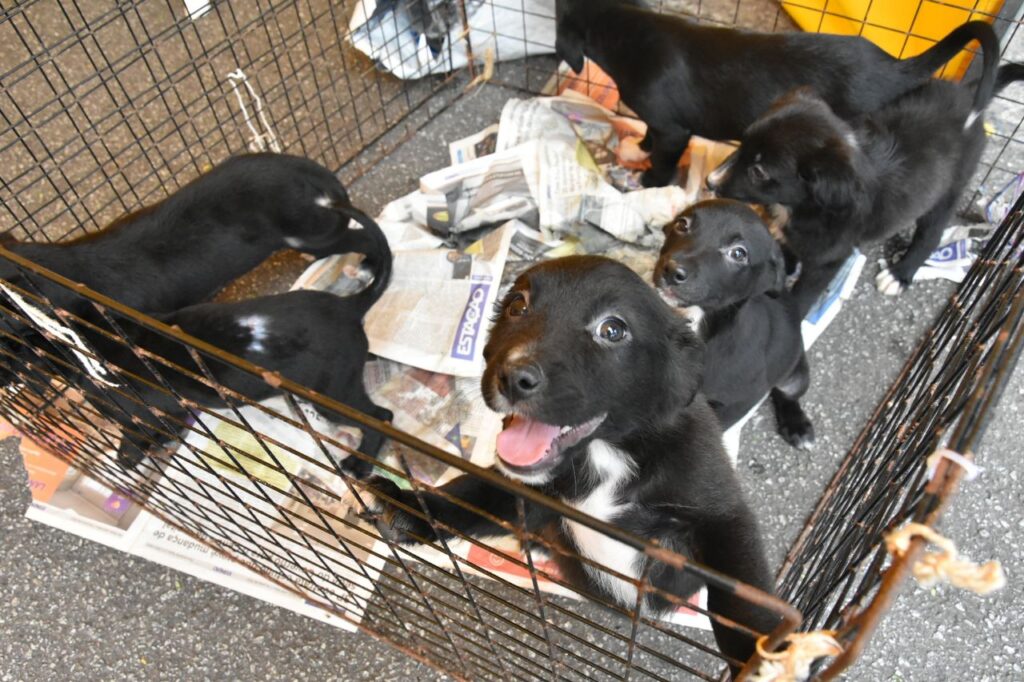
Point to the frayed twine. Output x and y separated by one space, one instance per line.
488 72
793 663
944 565
260 141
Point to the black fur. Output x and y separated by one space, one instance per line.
850 184
182 250
684 79
313 338
719 256
547 358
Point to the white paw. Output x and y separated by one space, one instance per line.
887 284
629 151
365 503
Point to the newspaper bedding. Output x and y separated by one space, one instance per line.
544 182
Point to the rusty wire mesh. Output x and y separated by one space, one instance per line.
109 107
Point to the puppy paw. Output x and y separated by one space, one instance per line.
889 283
378 505
654 177
629 151
799 434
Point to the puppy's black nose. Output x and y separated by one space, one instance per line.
521 380
674 273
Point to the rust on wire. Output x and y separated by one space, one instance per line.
300 530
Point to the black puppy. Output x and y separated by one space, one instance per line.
685 79
182 250
311 337
600 382
849 184
719 256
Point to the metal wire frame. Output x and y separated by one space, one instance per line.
119 105
836 573
110 107
95 129
290 532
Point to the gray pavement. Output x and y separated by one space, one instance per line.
78 611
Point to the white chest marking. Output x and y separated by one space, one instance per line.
324 201
259 330
613 468
695 316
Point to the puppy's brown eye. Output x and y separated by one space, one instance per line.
517 306
758 173
682 224
612 329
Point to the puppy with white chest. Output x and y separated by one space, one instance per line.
849 184
719 256
599 381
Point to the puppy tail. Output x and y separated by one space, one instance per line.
1007 74
934 58
986 85
378 255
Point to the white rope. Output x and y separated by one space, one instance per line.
971 470
260 142
93 367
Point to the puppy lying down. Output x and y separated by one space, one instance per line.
599 381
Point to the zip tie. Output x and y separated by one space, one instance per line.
971 470
260 142
69 336
793 664
945 565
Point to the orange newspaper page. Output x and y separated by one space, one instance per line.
592 82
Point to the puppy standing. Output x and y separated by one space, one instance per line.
720 257
850 184
313 338
600 383
685 79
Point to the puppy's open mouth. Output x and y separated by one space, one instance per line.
526 443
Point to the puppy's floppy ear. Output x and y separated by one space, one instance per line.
569 48
568 36
775 270
686 363
831 177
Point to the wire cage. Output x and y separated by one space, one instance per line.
110 106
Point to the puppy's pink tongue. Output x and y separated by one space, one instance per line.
524 441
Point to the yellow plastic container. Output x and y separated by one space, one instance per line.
902 28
